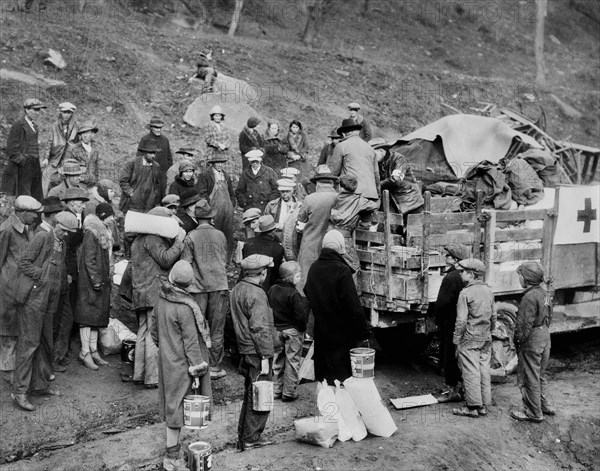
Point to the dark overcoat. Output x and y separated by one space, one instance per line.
177 328
340 321
255 191
164 157
93 306
23 174
180 186
265 244
132 195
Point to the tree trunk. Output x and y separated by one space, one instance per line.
235 19
366 4
314 19
542 10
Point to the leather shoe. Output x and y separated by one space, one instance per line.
23 402
465 412
482 411
549 411
87 361
98 359
522 416
58 368
257 444
50 391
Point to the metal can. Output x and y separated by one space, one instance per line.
199 456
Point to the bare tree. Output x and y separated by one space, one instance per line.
542 11
235 19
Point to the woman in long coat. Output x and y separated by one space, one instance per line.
340 322
219 141
94 283
181 333
275 148
297 156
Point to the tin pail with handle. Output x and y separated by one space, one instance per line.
262 395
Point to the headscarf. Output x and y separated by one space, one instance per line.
334 240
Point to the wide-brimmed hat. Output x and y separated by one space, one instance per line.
51 205
334 134
189 198
74 193
186 151
266 223
67 106
156 122
70 167
323 173
33 103
254 154
378 143
87 126
216 110
216 158
203 210
148 147
28 203
349 125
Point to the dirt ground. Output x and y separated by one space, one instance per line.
102 423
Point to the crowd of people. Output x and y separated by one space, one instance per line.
57 251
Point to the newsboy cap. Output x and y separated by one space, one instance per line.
182 273
27 203
472 264
254 154
251 214
170 200
458 251
75 193
33 103
67 220
256 262
67 106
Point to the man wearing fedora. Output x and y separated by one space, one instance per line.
63 134
155 137
313 218
86 152
365 133
258 183
264 243
205 248
280 208
327 149
353 156
15 234
142 183
23 174
214 185
70 177
186 211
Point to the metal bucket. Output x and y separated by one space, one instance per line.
362 361
199 456
263 397
196 411
128 351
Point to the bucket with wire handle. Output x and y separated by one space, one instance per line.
263 397
196 409
362 361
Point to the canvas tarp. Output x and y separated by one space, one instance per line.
446 148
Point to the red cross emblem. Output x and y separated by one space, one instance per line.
586 215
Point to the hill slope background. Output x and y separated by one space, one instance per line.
404 62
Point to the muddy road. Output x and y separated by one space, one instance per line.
102 423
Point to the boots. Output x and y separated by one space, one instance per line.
87 361
172 461
98 359
23 401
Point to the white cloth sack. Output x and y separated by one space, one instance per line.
330 410
316 431
376 416
111 337
350 413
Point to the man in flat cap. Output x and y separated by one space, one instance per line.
532 339
265 243
62 136
280 208
254 329
155 138
365 133
171 202
23 174
86 151
15 234
142 183
475 321
258 183
43 277
445 317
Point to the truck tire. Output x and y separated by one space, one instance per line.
291 238
401 342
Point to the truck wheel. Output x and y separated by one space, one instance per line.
291 238
401 342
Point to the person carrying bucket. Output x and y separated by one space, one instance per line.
180 331
253 323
